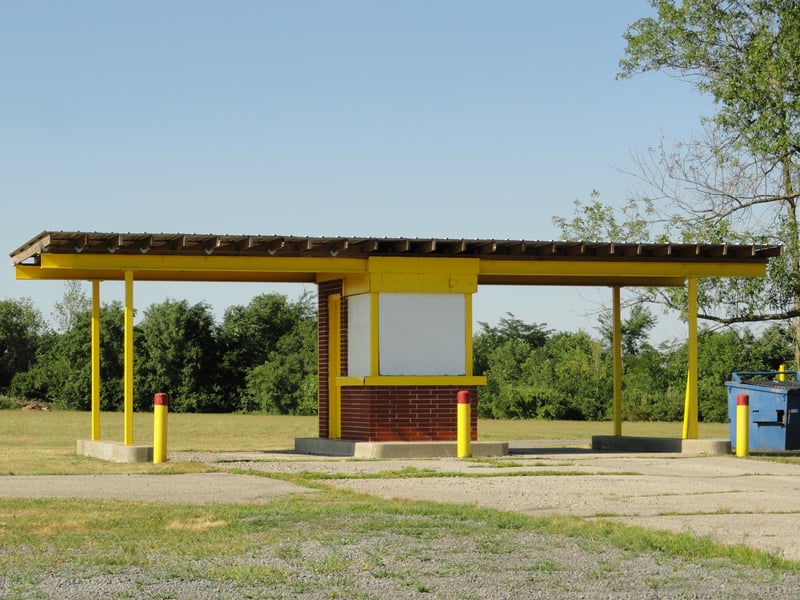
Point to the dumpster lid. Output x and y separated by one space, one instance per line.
749 378
773 385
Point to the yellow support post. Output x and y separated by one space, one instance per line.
463 425
95 360
160 411
690 411
127 382
617 354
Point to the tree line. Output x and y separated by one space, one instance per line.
533 372
262 358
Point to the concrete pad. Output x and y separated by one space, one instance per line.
115 451
427 449
192 488
765 532
707 447
627 443
324 446
332 447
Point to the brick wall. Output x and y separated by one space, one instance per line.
408 413
325 289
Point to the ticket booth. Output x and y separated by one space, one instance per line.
395 348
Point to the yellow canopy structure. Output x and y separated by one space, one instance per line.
380 265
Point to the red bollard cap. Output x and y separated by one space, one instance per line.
742 400
161 399
463 397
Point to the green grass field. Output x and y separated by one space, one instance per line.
37 442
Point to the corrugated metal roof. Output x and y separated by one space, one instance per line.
70 242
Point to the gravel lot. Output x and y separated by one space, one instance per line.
731 500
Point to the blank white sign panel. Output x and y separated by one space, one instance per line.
358 336
422 334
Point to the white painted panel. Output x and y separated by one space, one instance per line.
422 334
358 335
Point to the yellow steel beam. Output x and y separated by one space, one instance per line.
385 273
28 272
582 280
423 380
187 268
624 269
166 262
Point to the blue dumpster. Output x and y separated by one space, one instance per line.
774 409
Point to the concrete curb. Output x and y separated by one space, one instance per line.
328 447
115 451
623 443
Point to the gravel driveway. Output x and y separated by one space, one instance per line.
730 500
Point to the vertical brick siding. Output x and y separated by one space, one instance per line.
408 414
325 289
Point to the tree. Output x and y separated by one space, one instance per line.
577 371
21 331
177 353
500 353
720 353
287 382
507 394
250 334
635 329
740 181
508 329
61 373
74 302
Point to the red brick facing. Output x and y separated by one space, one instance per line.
408 414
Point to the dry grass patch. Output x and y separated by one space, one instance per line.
43 443
197 524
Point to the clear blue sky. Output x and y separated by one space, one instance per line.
444 118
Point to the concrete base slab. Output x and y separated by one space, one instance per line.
115 451
324 447
626 443
356 449
708 447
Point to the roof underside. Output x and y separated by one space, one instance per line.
285 258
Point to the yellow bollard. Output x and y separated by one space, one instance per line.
464 424
160 410
742 425
781 373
